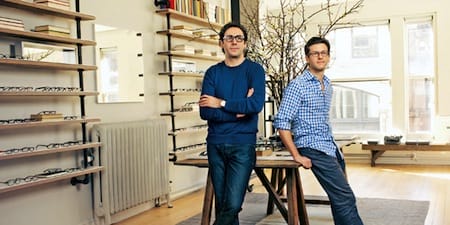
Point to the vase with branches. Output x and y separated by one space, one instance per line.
277 39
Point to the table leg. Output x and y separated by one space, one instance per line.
207 201
272 192
302 213
375 155
292 197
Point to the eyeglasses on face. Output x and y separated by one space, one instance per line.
317 54
230 38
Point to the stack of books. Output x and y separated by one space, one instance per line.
10 23
47 117
59 4
184 48
183 28
53 30
203 52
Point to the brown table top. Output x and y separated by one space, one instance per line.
260 163
403 147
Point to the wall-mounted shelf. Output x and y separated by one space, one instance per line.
47 123
191 56
45 65
189 37
49 151
41 181
182 74
189 19
29 6
41 93
44 37
179 93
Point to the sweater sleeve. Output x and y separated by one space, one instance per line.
255 103
213 114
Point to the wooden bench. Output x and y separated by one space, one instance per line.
378 149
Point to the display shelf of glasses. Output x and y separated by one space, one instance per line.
187 130
190 56
182 74
28 123
30 6
45 65
52 148
44 37
36 180
186 151
48 93
184 92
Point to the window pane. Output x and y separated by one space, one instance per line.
420 67
360 52
420 49
360 106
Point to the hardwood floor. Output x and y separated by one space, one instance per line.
414 182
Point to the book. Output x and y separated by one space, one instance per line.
52 28
54 33
11 20
181 27
184 48
203 52
11 27
54 5
46 117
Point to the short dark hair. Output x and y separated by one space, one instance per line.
230 25
316 40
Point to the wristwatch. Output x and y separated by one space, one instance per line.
222 103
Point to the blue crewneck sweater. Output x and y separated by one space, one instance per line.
232 85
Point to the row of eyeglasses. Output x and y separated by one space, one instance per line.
39 89
45 174
29 120
41 147
190 147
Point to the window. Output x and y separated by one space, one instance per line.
420 73
360 69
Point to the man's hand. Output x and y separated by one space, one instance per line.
209 101
304 161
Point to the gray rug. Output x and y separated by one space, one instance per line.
373 211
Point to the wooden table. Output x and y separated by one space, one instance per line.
378 149
295 212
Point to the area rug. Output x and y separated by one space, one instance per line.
373 211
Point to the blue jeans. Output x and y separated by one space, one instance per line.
330 172
230 168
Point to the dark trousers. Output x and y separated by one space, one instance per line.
330 172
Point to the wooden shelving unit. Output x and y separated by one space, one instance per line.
27 66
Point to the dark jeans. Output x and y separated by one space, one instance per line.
230 167
330 172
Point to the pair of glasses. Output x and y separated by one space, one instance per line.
17 150
237 38
47 113
70 117
16 88
19 180
317 54
55 171
58 145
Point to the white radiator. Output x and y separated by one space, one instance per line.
135 157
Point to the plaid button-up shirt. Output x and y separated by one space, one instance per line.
304 110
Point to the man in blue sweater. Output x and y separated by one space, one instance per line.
233 93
